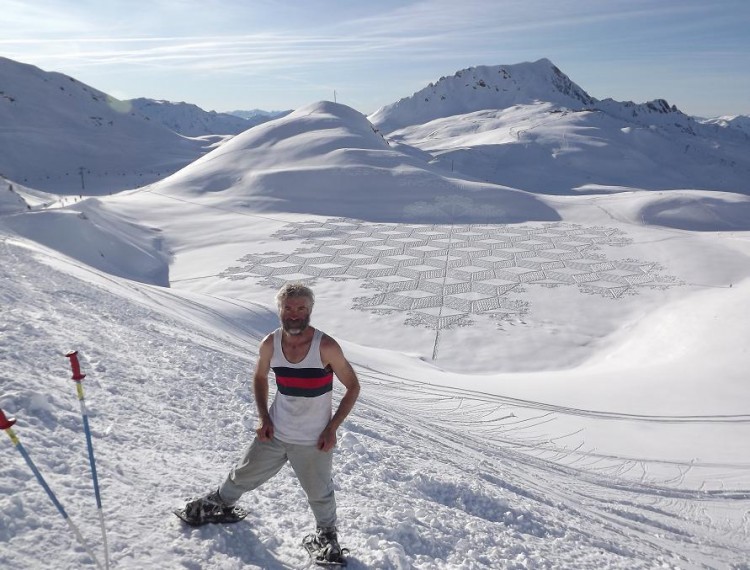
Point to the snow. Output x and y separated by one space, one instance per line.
491 123
189 120
484 87
550 379
62 136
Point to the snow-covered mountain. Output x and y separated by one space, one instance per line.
484 87
739 122
548 381
259 116
486 121
63 136
188 119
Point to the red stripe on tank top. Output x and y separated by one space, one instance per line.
293 382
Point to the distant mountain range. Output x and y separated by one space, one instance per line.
521 125
739 122
192 121
259 116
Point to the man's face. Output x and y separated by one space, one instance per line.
295 315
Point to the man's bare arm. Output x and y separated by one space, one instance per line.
260 389
333 356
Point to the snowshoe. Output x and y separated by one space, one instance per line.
210 509
323 548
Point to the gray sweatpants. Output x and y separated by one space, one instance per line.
264 459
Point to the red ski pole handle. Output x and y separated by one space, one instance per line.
75 366
6 423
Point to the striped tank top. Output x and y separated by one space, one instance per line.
304 395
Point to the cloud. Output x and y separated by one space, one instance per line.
52 32
216 53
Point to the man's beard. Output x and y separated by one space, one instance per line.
295 326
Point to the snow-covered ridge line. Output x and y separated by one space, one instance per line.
504 86
188 119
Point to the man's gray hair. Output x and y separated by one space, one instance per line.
294 290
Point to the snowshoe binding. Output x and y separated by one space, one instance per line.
210 509
323 548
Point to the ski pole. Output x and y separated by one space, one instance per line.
78 379
6 424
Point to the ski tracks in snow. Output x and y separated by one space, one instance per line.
428 477
532 512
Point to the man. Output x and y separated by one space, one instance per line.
298 427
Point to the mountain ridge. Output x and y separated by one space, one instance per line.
192 121
189 119
505 86
495 87
63 136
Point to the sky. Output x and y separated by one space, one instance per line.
226 55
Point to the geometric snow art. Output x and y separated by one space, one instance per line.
441 274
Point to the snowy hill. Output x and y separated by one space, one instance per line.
548 381
63 136
311 159
189 120
488 122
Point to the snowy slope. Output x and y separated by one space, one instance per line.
489 122
584 151
10 200
548 381
63 136
189 120
467 475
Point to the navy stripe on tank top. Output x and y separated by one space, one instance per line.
304 382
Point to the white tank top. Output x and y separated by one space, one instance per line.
303 403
